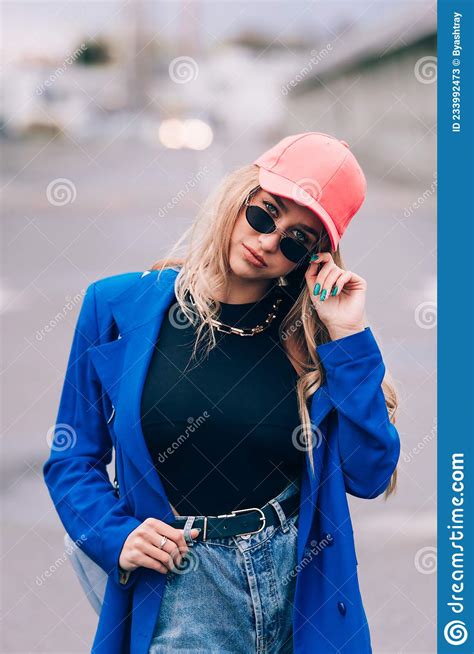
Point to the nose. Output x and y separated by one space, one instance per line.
269 242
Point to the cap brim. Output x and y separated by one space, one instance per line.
274 183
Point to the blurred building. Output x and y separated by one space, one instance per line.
376 89
371 83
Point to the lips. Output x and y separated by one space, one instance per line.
257 256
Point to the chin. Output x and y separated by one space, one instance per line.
242 270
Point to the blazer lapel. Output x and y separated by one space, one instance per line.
122 364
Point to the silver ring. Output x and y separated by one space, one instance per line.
163 541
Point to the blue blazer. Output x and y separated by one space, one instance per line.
356 452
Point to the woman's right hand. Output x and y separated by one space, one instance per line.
142 547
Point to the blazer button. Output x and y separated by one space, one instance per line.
342 608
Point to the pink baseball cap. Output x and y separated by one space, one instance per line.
317 171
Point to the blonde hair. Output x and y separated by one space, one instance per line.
204 269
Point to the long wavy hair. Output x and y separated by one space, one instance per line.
204 267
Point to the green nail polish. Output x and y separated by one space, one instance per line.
334 291
314 257
316 289
323 295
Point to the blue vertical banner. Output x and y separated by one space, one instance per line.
455 327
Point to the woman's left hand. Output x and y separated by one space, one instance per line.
343 313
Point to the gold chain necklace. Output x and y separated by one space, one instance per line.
245 331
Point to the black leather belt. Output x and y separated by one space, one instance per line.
241 521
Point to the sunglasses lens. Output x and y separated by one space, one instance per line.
293 250
259 220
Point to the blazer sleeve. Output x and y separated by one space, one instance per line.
369 444
81 447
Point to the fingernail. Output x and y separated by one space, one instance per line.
316 289
323 295
334 291
314 257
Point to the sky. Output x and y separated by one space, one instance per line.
35 27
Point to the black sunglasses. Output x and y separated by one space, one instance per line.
263 222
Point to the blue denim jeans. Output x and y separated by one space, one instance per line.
233 594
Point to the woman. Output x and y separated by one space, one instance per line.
232 531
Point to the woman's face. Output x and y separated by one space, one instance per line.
298 221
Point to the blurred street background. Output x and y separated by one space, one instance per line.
117 119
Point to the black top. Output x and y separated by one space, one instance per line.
221 433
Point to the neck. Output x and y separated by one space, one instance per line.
240 292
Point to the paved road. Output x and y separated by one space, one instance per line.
118 222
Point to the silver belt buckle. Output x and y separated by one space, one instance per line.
262 517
